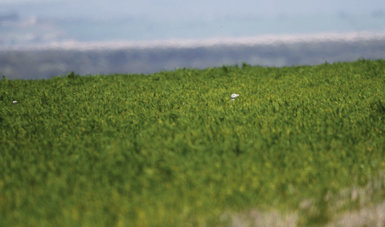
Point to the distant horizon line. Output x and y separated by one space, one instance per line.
196 43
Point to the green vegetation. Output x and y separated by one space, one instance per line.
172 148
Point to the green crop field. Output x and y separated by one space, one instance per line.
301 145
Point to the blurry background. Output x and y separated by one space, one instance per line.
44 38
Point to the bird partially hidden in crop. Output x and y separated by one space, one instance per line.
234 96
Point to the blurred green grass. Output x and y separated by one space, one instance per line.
172 148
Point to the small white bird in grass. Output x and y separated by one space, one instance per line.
234 96
14 102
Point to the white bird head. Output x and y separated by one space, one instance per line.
233 96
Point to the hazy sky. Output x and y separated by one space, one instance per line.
176 8
101 20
